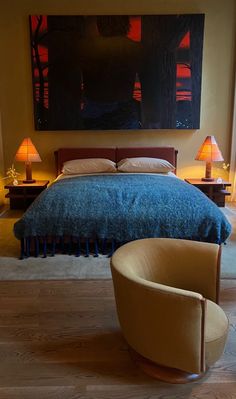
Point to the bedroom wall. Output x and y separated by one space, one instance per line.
1 167
217 82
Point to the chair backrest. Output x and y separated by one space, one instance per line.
172 262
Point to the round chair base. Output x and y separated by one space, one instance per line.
162 373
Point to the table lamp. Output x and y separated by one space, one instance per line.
209 152
27 153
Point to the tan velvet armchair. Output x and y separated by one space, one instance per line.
166 292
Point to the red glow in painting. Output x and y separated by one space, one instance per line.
40 58
135 29
183 72
34 23
185 42
137 91
184 96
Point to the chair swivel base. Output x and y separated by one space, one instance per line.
163 373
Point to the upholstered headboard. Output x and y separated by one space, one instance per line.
114 154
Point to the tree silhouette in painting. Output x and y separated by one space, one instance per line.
39 69
162 36
110 62
56 75
64 74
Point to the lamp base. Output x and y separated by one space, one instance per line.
29 181
207 179
208 173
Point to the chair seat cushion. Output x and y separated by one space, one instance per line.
216 329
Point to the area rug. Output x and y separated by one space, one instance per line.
63 267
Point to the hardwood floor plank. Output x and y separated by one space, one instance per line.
43 393
61 340
120 392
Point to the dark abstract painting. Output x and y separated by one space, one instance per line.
117 72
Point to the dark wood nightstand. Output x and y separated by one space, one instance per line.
22 195
215 190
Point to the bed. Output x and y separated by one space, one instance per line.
94 213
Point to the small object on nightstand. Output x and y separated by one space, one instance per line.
13 174
214 190
22 195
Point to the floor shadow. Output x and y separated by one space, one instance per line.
105 358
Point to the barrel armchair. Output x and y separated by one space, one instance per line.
167 293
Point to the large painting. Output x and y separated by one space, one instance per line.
117 71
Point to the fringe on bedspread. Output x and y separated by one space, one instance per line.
48 246
44 246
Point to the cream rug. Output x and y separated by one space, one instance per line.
69 267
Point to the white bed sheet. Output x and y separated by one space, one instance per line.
63 176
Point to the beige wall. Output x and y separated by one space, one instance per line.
1 166
16 86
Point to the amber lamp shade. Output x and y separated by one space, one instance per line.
209 152
27 153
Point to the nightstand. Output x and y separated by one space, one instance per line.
22 195
214 190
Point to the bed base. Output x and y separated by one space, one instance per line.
41 246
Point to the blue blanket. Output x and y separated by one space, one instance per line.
123 207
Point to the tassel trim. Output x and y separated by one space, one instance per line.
77 246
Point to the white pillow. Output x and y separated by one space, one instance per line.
145 165
88 165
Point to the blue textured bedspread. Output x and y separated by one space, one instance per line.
123 207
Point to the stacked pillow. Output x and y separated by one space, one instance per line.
127 165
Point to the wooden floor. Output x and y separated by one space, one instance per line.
61 340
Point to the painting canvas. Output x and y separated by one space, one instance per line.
111 72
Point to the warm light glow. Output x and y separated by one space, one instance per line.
27 152
209 151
